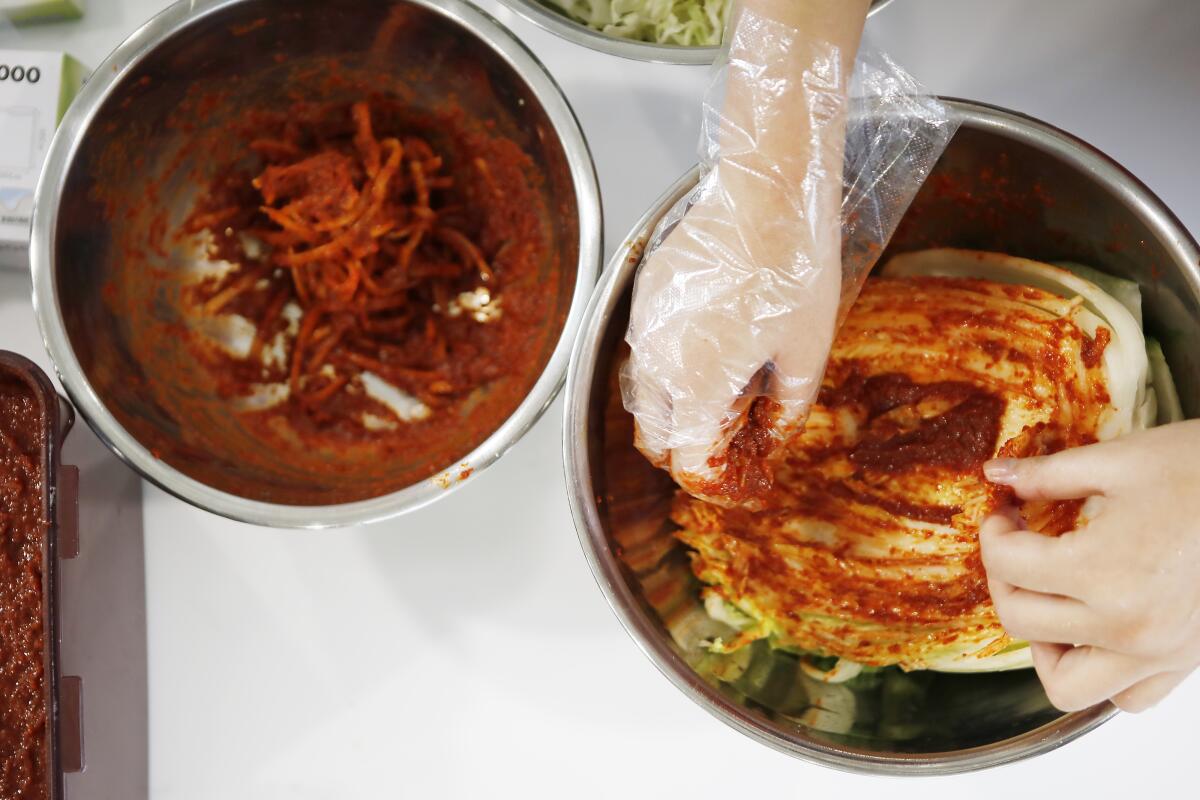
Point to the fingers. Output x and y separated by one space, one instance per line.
694 348
1079 677
1149 692
718 377
715 368
798 365
1075 473
795 397
1026 559
1035 617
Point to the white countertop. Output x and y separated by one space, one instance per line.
465 650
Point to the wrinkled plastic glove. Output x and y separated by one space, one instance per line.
740 300
1113 608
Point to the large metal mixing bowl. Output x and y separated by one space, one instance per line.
119 144
546 16
1007 183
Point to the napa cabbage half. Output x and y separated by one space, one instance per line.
1140 390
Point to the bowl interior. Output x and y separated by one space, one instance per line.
997 187
165 129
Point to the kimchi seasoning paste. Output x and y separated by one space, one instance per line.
354 223
377 292
23 713
962 437
745 469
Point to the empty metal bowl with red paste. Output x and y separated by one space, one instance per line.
309 264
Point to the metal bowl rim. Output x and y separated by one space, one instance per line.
646 631
561 25
78 120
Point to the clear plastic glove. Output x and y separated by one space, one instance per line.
1113 609
741 298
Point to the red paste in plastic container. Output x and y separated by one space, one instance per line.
23 529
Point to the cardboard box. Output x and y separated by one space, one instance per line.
35 90
20 12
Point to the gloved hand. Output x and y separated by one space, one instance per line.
740 299
1112 609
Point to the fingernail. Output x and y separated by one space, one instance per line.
1001 470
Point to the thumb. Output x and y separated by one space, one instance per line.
1071 474
706 421
794 392
714 367
799 365
803 336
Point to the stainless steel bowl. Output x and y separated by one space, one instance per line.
115 146
1008 183
545 16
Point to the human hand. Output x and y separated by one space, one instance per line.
1112 609
741 297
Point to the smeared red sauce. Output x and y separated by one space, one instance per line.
942 515
883 601
1093 348
23 712
744 466
961 438
1051 517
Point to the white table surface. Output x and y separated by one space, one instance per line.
464 650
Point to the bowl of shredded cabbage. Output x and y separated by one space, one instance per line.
661 31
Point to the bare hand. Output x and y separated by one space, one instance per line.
1113 608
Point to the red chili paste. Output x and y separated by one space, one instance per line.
23 713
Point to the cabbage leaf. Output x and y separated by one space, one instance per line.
687 23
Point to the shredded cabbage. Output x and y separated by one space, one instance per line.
690 23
